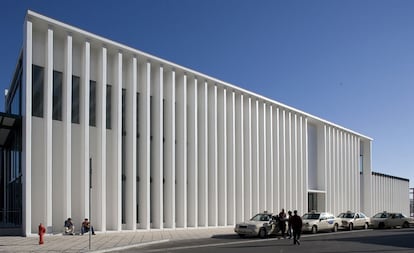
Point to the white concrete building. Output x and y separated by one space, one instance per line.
169 147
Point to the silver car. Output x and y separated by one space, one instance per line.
317 221
391 220
262 225
351 220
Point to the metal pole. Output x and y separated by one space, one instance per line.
90 201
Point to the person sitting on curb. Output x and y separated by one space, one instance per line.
86 226
69 227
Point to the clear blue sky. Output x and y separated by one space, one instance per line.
350 62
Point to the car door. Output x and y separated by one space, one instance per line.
358 220
394 220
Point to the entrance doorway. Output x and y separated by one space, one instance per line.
316 201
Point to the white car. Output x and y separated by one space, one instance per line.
318 221
391 220
262 225
351 220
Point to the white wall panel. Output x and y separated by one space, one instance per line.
169 145
181 151
212 156
239 148
222 156
144 145
192 165
203 162
231 157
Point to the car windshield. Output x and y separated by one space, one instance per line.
381 215
261 217
311 216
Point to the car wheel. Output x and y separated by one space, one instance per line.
351 226
381 225
406 225
262 233
314 229
335 228
366 226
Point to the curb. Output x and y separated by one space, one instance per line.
129 246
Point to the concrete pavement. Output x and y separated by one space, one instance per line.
105 242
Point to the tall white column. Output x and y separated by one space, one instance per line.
269 158
247 158
144 146
203 163
131 146
169 161
222 155
192 190
116 177
84 124
27 128
99 163
181 151
231 158
262 134
67 128
48 131
255 156
157 147
212 156
276 153
239 148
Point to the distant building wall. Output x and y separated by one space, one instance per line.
390 194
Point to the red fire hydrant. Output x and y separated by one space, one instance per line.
42 231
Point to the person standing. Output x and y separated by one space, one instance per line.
282 222
296 223
289 230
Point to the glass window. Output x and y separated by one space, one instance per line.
92 103
123 111
37 90
108 106
57 95
75 99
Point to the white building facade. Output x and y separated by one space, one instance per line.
169 147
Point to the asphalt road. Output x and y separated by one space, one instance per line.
390 240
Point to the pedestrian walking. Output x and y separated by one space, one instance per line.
296 223
282 222
289 230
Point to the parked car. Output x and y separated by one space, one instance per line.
391 220
262 225
351 220
318 221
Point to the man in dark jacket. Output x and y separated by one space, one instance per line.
296 222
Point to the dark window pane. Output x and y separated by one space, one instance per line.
37 90
123 111
57 95
92 103
108 106
75 99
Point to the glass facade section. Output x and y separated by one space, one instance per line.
92 103
37 90
108 106
75 99
57 95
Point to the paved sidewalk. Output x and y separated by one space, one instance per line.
105 242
